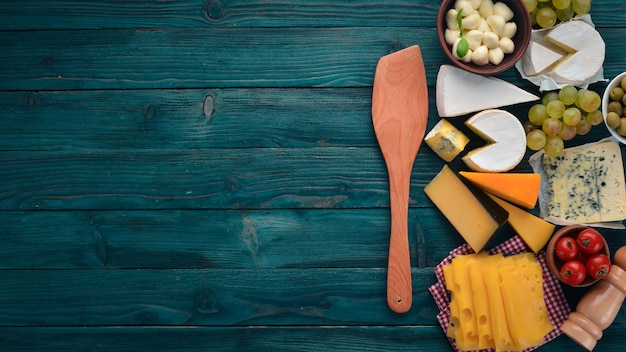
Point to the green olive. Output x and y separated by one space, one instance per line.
613 120
616 106
621 130
622 83
616 93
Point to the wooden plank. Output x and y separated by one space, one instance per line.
247 239
253 339
207 297
206 179
233 57
61 14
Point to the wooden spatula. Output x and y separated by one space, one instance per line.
399 115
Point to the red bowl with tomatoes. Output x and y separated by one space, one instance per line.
578 255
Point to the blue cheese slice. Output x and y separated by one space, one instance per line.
586 184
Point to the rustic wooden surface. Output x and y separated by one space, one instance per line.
203 175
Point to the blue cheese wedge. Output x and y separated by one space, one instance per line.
586 184
446 140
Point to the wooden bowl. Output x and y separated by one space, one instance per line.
605 105
554 263
521 39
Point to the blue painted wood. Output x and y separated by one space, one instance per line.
202 175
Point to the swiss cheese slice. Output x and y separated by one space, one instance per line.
585 49
463 209
518 188
506 141
460 92
535 231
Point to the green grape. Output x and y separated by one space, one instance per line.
549 96
530 5
544 0
567 132
537 114
529 126
568 94
581 7
546 17
554 146
579 94
565 14
551 126
561 4
572 116
590 101
536 139
595 117
583 127
555 109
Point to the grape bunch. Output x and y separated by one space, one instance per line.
547 13
561 115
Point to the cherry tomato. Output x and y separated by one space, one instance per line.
598 266
566 249
573 272
590 241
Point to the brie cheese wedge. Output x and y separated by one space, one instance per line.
505 137
539 57
585 49
459 92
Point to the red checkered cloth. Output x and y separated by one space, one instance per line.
558 309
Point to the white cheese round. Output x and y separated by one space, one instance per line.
505 137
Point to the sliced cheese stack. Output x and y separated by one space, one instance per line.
446 140
586 184
570 53
506 141
474 217
497 302
459 92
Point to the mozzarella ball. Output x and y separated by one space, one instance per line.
451 19
501 9
475 3
468 58
486 8
491 40
509 30
483 26
496 22
471 21
474 38
451 35
481 56
464 5
507 45
496 56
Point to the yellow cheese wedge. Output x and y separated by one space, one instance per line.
535 231
518 188
462 208
446 140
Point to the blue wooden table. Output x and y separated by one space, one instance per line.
202 175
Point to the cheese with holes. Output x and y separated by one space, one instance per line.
586 184
459 92
446 140
505 137
518 188
535 231
585 52
463 209
497 302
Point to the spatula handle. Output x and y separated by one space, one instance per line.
399 286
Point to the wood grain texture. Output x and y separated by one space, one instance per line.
60 14
399 116
221 58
